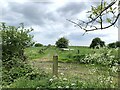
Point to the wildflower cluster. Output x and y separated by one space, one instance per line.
105 57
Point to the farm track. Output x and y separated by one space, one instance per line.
70 70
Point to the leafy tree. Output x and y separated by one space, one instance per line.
118 44
112 45
62 43
97 16
38 45
14 41
97 42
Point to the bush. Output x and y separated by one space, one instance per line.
14 41
9 77
78 58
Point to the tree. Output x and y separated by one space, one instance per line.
38 45
97 42
62 43
14 41
112 45
96 15
118 44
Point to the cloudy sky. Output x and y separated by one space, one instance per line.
48 19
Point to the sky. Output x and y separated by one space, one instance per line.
48 19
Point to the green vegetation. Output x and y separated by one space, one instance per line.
62 43
14 41
114 45
73 74
97 43
38 45
31 67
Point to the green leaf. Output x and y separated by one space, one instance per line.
108 20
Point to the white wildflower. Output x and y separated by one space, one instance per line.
64 79
73 84
51 80
59 87
67 86
62 74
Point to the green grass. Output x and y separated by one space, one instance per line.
83 75
32 52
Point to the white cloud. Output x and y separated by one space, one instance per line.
48 18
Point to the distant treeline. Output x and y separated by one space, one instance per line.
96 43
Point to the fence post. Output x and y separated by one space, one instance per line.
55 65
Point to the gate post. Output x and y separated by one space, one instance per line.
55 65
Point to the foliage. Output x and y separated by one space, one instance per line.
118 44
14 41
114 45
41 80
9 77
97 16
104 57
62 82
97 42
62 43
38 45
32 80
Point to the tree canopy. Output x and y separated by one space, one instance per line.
38 45
62 43
96 42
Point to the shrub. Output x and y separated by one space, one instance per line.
14 41
78 58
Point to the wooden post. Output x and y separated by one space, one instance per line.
78 51
55 65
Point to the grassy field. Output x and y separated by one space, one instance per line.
33 52
90 73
